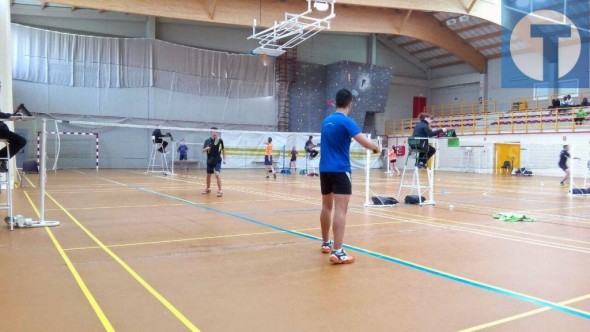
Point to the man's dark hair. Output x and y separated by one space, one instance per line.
270 139
213 128
343 98
310 137
424 115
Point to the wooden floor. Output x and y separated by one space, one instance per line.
137 252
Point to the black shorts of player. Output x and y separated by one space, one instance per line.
339 183
212 168
563 167
183 157
293 158
268 160
393 160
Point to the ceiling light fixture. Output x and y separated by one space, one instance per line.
463 18
451 21
321 5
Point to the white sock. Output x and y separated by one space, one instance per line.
338 251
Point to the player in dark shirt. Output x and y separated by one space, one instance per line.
563 157
215 149
158 138
422 130
310 148
15 141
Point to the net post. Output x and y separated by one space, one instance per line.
570 192
173 157
367 174
42 166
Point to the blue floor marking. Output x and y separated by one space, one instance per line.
414 266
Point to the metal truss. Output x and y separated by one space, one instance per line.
295 29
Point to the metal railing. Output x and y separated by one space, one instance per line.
527 121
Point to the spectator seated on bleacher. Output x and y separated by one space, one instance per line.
566 103
580 116
555 103
585 102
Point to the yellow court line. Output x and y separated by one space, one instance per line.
525 314
118 207
95 306
136 276
176 240
29 181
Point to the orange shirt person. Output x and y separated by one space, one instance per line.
268 159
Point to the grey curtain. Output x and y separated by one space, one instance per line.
51 57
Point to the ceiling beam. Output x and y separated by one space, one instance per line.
401 52
447 64
484 36
351 19
213 9
471 6
472 27
405 20
427 49
487 10
440 56
411 42
487 47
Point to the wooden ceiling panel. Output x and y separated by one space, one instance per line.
353 19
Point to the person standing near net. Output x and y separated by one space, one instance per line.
563 157
392 161
182 153
310 148
215 149
293 163
268 159
335 174
422 130
14 141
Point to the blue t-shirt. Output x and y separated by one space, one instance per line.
182 149
337 130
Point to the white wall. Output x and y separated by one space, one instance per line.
401 67
495 91
539 152
455 70
220 38
454 94
326 48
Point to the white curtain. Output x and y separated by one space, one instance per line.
51 57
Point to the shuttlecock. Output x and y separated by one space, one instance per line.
451 207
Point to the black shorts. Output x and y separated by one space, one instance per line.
293 159
393 160
183 157
563 167
268 160
336 183
212 168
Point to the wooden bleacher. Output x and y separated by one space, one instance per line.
513 121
